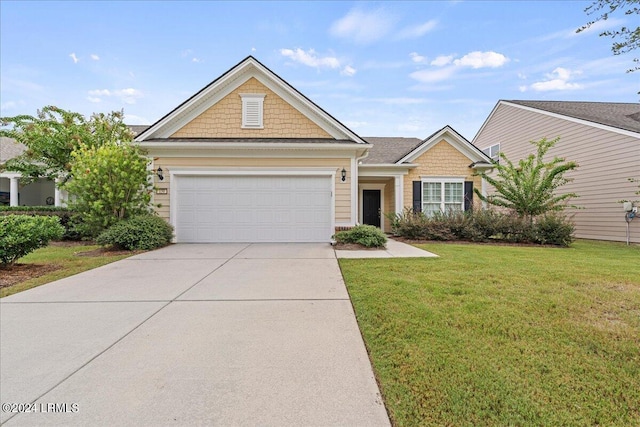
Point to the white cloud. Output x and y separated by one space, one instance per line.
442 60
417 58
432 76
558 79
348 71
128 95
479 59
74 58
363 26
196 60
401 101
95 57
418 30
310 58
100 92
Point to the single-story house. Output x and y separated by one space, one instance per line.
249 158
39 193
602 137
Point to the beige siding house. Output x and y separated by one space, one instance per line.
603 138
250 159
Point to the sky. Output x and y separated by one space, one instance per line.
381 68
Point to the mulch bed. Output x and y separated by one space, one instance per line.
17 273
466 242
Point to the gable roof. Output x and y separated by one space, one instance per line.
623 117
453 138
227 82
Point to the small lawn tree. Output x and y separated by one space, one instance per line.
110 182
529 188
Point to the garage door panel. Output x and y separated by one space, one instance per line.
253 208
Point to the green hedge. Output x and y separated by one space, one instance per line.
365 235
66 216
484 225
140 232
23 234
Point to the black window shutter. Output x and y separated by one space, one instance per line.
468 195
417 196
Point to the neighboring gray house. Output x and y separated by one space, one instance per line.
602 137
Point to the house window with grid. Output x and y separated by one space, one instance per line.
442 195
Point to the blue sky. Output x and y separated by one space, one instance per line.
382 68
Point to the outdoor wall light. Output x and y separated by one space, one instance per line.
344 175
159 173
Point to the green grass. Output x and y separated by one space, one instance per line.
503 335
64 257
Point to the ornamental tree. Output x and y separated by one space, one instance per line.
529 187
110 182
625 38
53 134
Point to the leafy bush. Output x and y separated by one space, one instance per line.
37 209
365 235
140 232
66 215
554 229
484 225
23 234
110 183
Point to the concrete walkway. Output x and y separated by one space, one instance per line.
394 249
220 334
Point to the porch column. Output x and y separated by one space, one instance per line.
398 181
13 191
57 194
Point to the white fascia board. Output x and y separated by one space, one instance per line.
234 149
569 119
388 170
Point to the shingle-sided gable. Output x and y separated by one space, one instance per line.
216 108
224 118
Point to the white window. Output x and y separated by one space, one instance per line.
493 151
442 195
252 110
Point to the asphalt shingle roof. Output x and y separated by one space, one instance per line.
389 149
615 114
9 148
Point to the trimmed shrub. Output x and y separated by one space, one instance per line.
554 229
66 215
365 235
141 232
23 234
483 225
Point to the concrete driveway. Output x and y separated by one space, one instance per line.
219 334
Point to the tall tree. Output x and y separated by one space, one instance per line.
529 188
53 134
110 183
625 38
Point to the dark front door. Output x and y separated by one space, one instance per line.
371 207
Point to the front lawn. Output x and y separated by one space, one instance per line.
504 335
57 261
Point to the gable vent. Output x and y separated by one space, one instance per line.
252 110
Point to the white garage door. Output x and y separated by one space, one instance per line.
252 208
